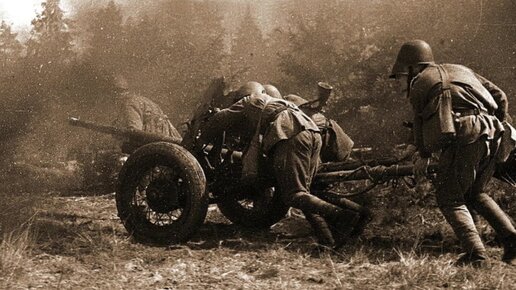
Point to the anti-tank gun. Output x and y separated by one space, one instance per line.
165 186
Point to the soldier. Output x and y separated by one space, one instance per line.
336 146
459 114
291 143
140 113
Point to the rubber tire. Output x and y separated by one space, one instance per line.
196 200
264 217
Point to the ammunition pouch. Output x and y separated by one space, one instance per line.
336 144
252 161
438 118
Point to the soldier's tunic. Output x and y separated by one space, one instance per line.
140 113
336 144
467 163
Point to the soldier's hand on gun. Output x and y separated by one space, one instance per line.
420 166
423 185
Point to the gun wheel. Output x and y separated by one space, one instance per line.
256 208
161 194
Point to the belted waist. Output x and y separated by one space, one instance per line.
469 112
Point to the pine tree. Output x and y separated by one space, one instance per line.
10 49
247 58
173 55
107 39
51 37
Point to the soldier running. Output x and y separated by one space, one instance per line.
459 114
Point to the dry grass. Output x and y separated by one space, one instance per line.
15 250
81 244
78 242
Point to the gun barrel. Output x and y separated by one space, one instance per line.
379 172
136 136
351 165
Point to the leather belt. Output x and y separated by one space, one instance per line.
468 112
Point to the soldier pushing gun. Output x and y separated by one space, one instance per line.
458 114
279 134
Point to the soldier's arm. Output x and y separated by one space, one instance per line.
418 137
224 120
172 130
498 95
418 101
132 115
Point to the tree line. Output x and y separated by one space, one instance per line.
172 52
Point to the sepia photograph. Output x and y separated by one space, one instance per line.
273 144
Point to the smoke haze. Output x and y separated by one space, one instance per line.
170 50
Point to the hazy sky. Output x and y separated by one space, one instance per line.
19 13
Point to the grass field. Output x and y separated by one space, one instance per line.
77 242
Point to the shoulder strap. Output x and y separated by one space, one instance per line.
445 103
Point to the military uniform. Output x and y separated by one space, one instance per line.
467 161
336 146
140 113
290 140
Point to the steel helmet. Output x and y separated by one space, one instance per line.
120 83
248 89
412 53
272 91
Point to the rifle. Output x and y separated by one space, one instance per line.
133 135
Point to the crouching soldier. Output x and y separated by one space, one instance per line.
336 146
289 141
139 113
459 115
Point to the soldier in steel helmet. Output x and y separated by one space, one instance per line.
336 146
458 114
272 91
140 113
290 142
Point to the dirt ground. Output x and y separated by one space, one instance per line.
81 244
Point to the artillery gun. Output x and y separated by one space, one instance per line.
165 186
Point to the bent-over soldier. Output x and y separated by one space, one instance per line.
336 146
291 143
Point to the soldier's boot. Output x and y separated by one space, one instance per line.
321 229
364 215
338 219
462 224
500 222
509 250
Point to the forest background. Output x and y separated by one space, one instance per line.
61 65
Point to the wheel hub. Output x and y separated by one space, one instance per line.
163 195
